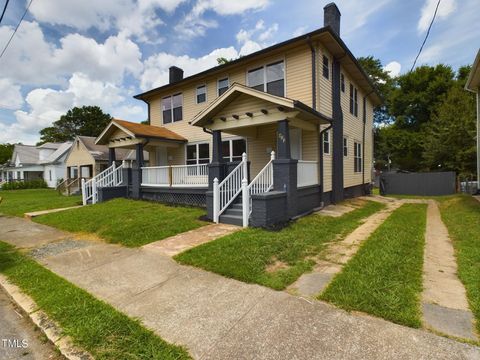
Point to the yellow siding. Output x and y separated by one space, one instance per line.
79 156
309 145
324 93
258 148
298 74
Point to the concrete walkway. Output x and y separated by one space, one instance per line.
337 254
444 300
220 318
176 244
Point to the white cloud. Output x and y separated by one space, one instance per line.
299 31
445 8
256 38
156 66
11 97
194 24
394 68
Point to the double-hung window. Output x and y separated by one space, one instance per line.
345 146
357 156
201 94
326 142
269 78
325 67
342 82
222 85
353 100
172 108
232 150
198 154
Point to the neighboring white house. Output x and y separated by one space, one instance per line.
31 162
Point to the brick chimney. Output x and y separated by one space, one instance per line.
175 74
331 17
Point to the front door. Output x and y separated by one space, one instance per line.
161 156
296 143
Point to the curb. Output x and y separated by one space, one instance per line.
50 328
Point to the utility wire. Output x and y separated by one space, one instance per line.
15 31
4 9
426 36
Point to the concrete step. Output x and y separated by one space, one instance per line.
233 211
231 219
235 206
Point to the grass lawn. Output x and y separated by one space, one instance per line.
127 222
461 215
18 202
384 278
275 258
91 323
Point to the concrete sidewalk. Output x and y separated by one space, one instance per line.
219 318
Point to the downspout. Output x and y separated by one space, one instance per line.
363 135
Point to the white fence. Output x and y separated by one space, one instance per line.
112 176
307 173
176 176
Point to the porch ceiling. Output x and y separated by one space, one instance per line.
241 108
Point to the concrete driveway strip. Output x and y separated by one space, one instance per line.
220 318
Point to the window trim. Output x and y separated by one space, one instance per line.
172 108
230 145
353 100
342 82
197 143
328 142
196 94
345 146
357 167
218 82
327 65
264 67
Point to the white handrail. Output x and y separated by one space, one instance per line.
176 175
111 176
262 183
226 192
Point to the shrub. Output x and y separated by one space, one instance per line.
19 185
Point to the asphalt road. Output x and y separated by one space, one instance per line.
18 337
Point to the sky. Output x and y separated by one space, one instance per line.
102 52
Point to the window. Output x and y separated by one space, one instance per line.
345 147
222 86
232 150
50 175
201 94
326 142
198 154
357 167
353 100
342 82
172 108
325 67
269 78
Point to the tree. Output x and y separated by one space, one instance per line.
6 151
85 121
223 60
383 82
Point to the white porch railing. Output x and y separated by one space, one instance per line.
176 175
225 192
112 176
307 173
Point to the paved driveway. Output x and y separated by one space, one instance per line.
220 318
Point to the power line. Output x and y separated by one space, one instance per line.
4 9
15 31
426 36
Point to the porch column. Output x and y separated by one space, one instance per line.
137 172
216 169
285 169
111 156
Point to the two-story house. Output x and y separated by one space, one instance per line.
261 139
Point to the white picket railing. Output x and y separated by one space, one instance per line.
307 173
176 175
225 192
112 176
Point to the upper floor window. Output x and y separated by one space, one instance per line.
357 156
201 94
325 67
342 82
345 146
222 86
198 154
232 150
353 100
326 142
269 78
172 108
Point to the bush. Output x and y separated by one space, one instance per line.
19 185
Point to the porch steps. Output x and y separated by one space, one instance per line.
233 214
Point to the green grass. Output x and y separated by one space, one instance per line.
461 215
245 255
91 323
127 222
18 202
384 278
